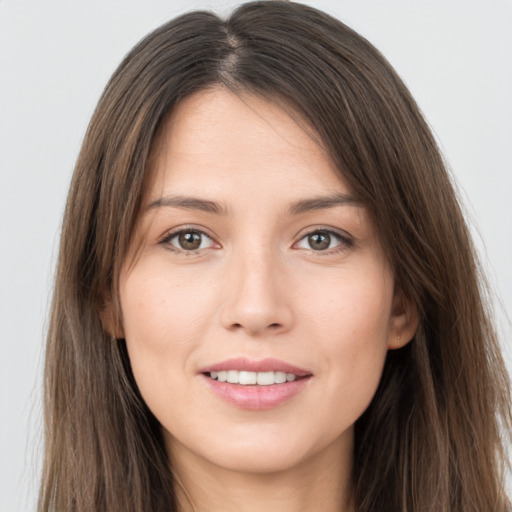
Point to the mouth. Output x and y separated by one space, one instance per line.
247 378
248 372
256 385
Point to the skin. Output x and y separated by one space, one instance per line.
256 287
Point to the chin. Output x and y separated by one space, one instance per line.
265 452
258 461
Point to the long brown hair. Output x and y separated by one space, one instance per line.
430 440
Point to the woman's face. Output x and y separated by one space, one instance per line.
256 266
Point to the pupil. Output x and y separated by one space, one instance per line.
319 241
190 241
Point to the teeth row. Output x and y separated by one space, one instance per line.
248 378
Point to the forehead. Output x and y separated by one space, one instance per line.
216 143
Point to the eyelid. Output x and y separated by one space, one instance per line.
174 232
346 241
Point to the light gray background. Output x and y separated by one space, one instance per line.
55 58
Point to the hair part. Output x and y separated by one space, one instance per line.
430 439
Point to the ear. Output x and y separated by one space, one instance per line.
110 320
404 320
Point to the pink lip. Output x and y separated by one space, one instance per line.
256 398
264 365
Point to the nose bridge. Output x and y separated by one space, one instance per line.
256 300
258 267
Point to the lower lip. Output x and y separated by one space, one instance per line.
257 398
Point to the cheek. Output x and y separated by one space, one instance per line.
350 320
160 306
163 319
352 306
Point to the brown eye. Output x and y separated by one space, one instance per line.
326 241
319 241
190 241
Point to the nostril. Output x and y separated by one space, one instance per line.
272 326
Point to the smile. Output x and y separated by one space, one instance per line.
255 385
246 378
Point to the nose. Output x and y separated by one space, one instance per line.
257 298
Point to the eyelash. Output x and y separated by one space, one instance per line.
344 241
167 239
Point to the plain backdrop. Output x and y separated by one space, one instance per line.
55 58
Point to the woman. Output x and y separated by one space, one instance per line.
266 293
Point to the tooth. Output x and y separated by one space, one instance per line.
265 378
247 378
280 377
233 376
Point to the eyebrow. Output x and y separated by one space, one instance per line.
323 202
296 208
189 203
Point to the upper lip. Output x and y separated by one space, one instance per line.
262 365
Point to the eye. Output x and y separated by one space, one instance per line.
324 240
188 240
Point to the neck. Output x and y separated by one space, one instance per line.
322 482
